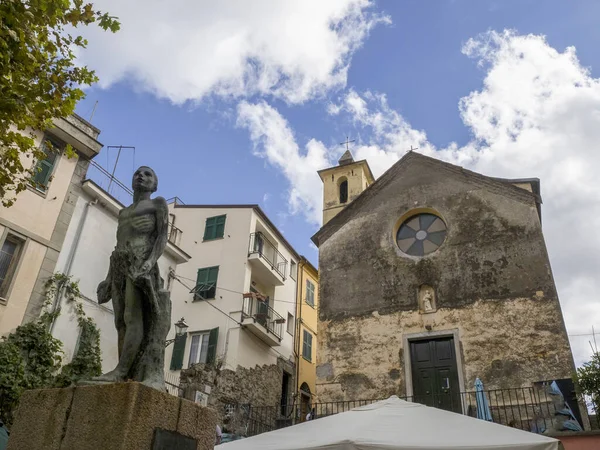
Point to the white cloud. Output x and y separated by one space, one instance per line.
274 140
536 115
188 49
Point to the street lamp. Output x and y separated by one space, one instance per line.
180 330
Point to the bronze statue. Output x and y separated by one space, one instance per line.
142 308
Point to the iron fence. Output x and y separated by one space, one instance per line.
529 409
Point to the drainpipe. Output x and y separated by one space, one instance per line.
72 252
301 265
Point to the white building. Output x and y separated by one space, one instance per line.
85 255
243 276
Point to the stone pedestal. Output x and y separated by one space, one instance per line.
122 416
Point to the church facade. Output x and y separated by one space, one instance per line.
431 277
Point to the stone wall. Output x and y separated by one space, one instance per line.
259 386
491 277
364 357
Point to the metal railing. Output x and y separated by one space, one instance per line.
176 201
260 311
529 409
174 234
260 245
109 183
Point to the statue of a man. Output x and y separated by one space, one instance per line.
142 308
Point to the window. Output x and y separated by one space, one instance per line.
307 346
290 324
344 191
203 347
206 284
45 167
293 269
421 234
198 349
215 228
9 257
310 293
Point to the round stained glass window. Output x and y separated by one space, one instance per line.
421 234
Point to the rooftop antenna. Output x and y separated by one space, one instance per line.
93 111
120 147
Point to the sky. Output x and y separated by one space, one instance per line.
242 102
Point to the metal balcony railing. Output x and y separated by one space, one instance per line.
260 311
260 245
174 234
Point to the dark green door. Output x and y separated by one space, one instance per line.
434 373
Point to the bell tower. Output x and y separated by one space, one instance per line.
343 183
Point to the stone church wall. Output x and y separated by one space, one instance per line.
492 281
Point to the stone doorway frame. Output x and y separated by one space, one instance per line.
410 337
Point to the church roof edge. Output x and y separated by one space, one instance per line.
330 227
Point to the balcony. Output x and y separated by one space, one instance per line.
270 267
262 320
174 234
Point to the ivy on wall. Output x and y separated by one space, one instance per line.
31 358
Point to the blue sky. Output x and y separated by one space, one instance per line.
171 87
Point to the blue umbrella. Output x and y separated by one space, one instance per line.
483 409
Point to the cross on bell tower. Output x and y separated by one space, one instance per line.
347 156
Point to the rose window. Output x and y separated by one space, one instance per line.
421 234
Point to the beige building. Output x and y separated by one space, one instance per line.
32 231
238 296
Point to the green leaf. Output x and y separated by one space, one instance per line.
38 77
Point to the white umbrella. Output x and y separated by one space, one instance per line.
395 424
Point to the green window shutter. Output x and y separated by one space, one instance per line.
213 338
310 293
220 226
45 167
307 346
178 351
215 228
210 228
207 283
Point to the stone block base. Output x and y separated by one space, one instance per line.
121 416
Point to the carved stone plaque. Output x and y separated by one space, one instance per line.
171 440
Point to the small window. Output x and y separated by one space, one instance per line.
198 349
344 191
293 270
310 293
215 228
206 283
307 346
45 167
290 324
9 258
